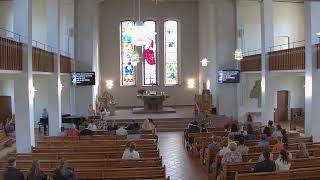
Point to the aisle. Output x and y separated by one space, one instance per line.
180 165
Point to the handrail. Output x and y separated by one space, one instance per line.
35 43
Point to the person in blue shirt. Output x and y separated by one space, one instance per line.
263 141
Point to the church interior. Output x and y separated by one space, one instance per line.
159 89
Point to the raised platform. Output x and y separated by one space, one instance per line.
163 111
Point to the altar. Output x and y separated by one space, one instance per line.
153 103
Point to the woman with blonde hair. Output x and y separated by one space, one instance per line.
35 172
303 152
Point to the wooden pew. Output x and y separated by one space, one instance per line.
81 155
311 173
263 176
5 140
94 137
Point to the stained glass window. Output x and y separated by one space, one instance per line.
128 74
171 52
150 54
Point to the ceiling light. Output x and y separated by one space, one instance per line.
204 62
238 54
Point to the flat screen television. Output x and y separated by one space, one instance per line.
83 78
228 76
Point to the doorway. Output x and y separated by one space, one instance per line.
282 106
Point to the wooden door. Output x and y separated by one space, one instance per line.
5 108
282 105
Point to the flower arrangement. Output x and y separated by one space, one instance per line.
141 91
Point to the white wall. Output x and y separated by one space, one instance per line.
288 20
6 16
67 26
66 94
112 12
41 84
39 21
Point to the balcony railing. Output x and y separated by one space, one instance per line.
318 55
251 63
288 59
11 46
10 54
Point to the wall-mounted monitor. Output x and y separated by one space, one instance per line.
83 78
228 76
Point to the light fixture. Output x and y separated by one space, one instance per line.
318 34
139 33
238 54
60 87
191 83
32 91
208 84
109 84
204 62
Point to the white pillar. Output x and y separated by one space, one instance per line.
312 80
86 48
53 36
23 84
267 111
207 46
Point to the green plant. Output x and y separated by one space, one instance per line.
255 92
104 99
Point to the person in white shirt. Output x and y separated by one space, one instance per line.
277 132
121 130
130 152
225 148
91 111
283 161
92 126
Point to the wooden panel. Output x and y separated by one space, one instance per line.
10 54
65 64
282 105
288 59
42 61
5 110
318 56
251 63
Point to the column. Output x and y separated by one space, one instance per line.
23 84
312 76
86 50
55 87
267 111
207 47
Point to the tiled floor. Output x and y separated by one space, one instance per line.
180 165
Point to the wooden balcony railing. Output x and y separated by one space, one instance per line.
288 59
65 64
318 55
10 54
251 63
42 61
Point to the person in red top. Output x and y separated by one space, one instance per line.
279 146
73 132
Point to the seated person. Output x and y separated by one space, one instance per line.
267 131
91 111
121 130
11 172
268 150
232 156
35 172
249 120
278 146
266 165
194 128
277 132
303 152
86 131
92 126
203 128
271 127
9 126
285 138
283 161
225 148
133 125
263 141
64 172
73 131
250 133
44 113
215 145
63 132
130 152
234 130
242 149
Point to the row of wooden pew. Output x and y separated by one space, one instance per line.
301 169
95 158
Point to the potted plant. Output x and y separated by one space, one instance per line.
106 100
